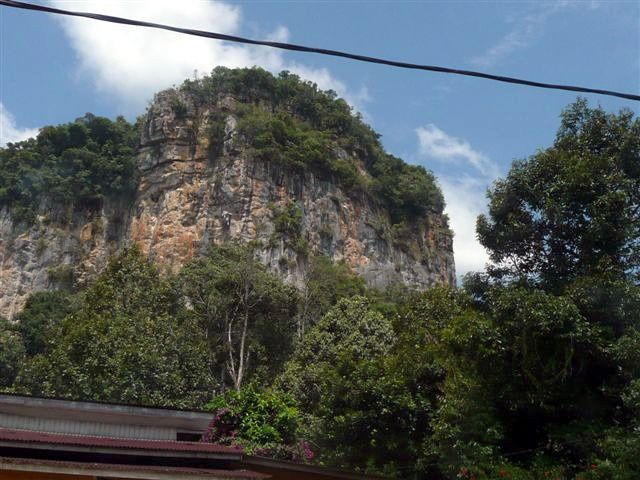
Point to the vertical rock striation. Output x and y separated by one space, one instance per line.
193 194
197 189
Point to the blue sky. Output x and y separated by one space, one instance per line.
467 131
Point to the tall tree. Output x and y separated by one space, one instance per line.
572 209
246 312
350 329
564 226
129 340
338 379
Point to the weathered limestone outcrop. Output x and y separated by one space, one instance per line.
194 193
61 250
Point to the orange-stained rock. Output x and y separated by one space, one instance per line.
193 194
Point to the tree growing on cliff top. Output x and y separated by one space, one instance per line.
77 165
303 128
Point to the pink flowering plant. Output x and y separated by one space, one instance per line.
263 423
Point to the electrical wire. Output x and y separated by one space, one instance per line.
321 51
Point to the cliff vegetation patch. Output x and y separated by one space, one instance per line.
290 121
77 165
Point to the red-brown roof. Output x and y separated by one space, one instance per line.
21 463
28 436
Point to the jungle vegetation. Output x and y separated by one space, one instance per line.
529 370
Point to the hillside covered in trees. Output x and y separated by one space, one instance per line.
530 370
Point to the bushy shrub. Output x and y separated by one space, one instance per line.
262 423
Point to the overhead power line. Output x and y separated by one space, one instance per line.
321 51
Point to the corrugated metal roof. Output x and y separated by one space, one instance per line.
101 402
23 463
27 436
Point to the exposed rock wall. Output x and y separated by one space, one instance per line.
193 193
63 249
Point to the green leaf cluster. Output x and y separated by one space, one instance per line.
74 165
263 419
288 227
125 341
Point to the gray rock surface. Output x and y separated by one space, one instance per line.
193 194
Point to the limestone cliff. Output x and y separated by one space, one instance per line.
55 252
197 189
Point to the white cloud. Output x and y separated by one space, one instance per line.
438 145
464 194
9 131
465 199
526 29
519 38
132 63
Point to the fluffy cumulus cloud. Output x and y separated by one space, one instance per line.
465 198
9 130
438 145
132 63
464 194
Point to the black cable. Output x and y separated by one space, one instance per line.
321 51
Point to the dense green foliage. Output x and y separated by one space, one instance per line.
42 312
350 329
530 371
12 353
352 404
126 341
291 122
246 312
506 376
570 210
263 423
564 225
74 165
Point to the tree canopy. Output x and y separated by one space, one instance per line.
127 341
529 371
572 209
76 165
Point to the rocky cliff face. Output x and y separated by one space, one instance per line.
62 250
194 192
